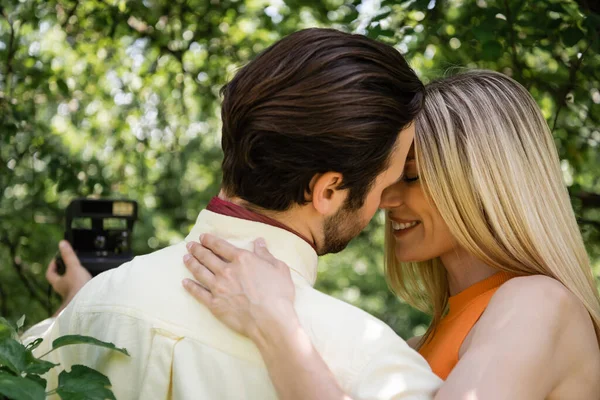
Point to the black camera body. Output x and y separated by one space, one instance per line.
100 231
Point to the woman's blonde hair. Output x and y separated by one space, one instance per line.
487 161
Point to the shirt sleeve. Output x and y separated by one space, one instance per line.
37 331
394 371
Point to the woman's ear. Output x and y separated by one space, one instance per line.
326 196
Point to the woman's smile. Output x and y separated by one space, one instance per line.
403 227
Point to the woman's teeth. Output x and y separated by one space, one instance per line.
398 226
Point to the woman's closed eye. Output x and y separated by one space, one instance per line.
408 178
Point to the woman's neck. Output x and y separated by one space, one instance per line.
464 270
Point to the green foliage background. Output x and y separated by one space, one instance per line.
119 98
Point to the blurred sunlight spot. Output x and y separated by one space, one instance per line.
274 10
595 95
34 49
122 99
195 47
455 43
202 77
153 242
351 294
150 201
500 16
248 26
429 52
431 5
367 9
567 171
360 267
63 109
419 330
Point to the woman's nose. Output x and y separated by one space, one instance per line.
391 197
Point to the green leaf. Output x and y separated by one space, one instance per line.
37 379
62 85
68 340
37 366
83 383
571 36
7 330
381 16
34 345
18 388
484 32
13 355
492 50
21 322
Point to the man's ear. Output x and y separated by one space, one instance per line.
326 196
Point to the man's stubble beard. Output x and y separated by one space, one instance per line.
340 229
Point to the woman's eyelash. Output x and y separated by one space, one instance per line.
408 179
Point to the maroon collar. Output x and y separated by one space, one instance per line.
225 207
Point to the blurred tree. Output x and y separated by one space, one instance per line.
119 98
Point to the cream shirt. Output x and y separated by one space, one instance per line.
180 351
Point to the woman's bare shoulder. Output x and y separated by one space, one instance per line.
547 315
545 296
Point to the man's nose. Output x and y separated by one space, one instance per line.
391 197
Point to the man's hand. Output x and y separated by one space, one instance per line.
73 280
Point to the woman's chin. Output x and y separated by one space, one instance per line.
408 256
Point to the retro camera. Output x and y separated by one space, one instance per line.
99 230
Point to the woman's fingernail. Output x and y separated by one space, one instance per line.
62 244
261 242
187 258
200 238
186 283
189 245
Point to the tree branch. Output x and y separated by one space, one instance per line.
17 265
575 65
588 199
513 41
3 305
10 55
595 224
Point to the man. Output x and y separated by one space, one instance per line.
314 129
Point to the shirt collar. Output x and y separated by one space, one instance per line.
282 244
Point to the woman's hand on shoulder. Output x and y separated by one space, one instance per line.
530 339
251 292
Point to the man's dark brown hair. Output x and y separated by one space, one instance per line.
317 101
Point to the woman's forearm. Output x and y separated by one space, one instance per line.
296 368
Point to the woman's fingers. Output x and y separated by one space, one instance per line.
220 247
199 293
200 272
205 257
260 249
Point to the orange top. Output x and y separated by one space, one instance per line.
465 308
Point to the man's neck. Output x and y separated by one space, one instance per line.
293 219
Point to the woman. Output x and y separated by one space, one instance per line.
480 232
